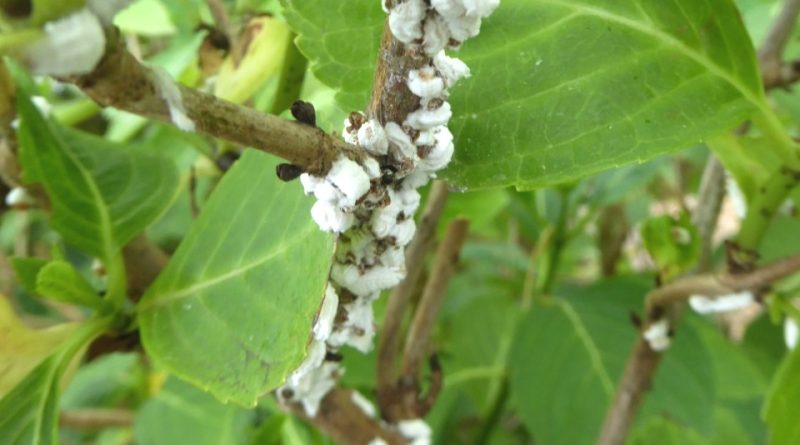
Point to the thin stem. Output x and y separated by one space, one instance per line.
542 245
221 19
764 206
495 414
548 267
96 418
120 81
714 285
771 52
419 333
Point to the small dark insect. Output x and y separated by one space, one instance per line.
217 38
288 172
226 160
333 357
18 9
388 175
304 112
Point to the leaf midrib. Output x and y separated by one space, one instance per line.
180 294
590 345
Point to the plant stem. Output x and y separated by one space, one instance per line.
495 414
548 267
764 206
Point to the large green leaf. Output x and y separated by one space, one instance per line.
101 193
780 409
183 415
563 88
232 311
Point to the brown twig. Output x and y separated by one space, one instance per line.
221 19
723 284
96 419
400 398
391 99
774 72
419 333
346 423
389 345
120 81
643 361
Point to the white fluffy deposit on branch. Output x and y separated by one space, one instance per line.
371 205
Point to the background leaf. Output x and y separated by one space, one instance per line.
29 412
568 357
780 409
183 415
23 348
232 311
60 281
563 89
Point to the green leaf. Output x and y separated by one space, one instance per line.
106 381
29 411
102 194
661 431
26 270
60 281
479 356
481 208
559 384
780 406
183 415
563 89
341 40
22 348
569 355
684 387
145 17
673 243
737 375
232 311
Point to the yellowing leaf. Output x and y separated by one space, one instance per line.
23 348
264 45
